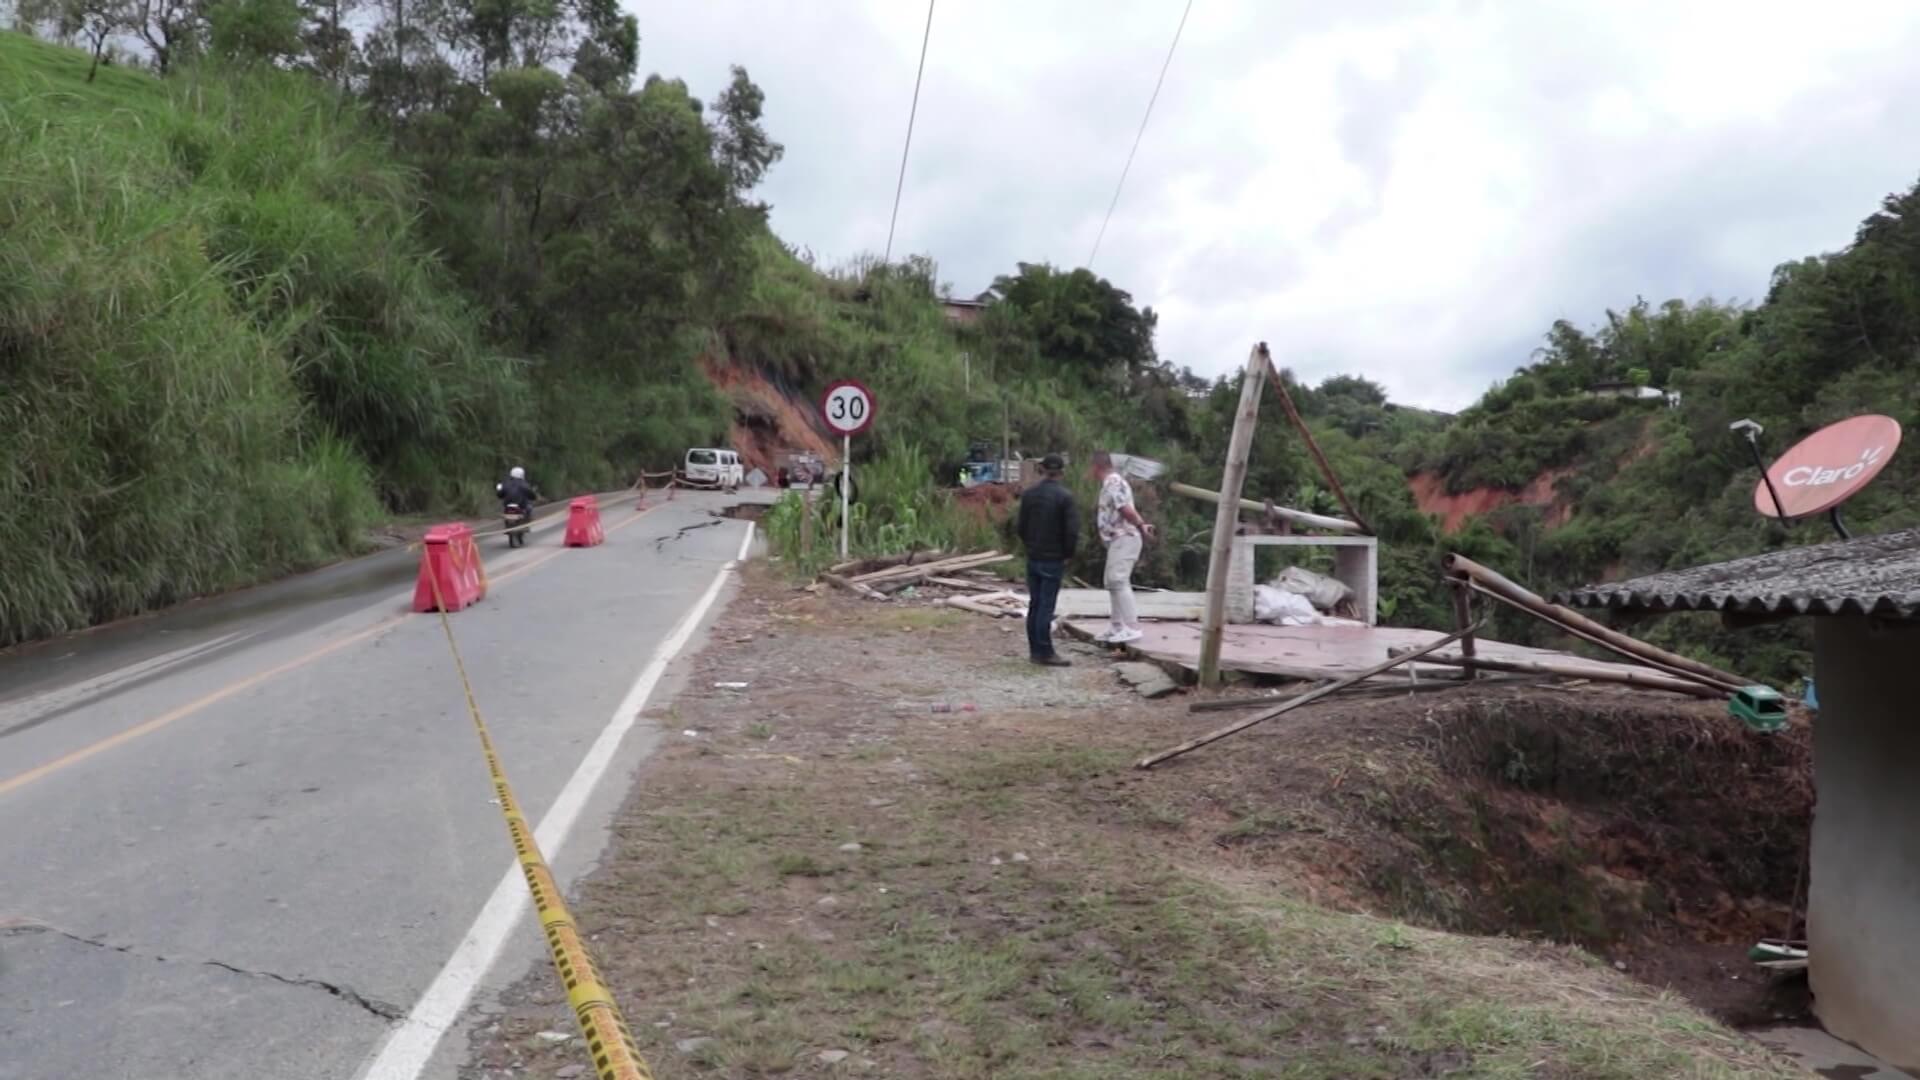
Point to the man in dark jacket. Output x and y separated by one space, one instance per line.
1049 526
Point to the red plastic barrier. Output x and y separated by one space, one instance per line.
448 557
583 522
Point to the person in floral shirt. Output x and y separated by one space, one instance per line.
1124 531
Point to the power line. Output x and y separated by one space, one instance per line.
1164 64
901 184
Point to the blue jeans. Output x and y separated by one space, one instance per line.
1043 589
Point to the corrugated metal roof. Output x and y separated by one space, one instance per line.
1868 575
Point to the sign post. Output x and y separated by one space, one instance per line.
847 408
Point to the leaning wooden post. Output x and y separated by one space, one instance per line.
1463 619
1227 517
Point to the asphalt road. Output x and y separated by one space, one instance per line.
242 839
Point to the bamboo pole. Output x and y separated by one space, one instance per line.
1306 434
1428 683
1463 617
1227 516
1237 726
1298 517
1501 588
852 586
887 562
1657 665
914 573
1643 680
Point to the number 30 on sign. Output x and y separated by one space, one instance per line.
847 407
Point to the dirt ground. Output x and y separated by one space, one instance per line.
901 850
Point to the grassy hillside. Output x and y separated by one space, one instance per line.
222 346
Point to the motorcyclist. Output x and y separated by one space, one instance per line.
515 489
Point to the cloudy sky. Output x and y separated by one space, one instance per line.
1408 191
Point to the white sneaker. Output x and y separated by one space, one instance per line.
1123 637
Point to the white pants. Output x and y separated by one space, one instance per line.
1122 553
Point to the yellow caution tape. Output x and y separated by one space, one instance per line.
615 1056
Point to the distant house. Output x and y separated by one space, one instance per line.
962 311
1634 391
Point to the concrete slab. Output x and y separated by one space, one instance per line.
1315 652
1824 1055
1147 680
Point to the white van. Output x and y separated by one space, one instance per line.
711 465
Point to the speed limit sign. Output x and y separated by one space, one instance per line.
847 407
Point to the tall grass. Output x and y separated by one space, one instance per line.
898 508
219 349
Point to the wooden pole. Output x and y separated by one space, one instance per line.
1306 434
1633 648
1216 735
1644 680
1428 683
1657 665
1463 617
1227 516
1298 517
853 586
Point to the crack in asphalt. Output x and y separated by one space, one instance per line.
684 530
345 993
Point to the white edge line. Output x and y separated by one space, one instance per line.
406 1052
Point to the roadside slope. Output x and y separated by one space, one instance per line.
825 872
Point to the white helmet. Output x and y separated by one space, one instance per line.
517 473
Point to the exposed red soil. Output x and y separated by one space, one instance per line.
1431 495
767 421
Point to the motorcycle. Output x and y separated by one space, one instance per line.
518 518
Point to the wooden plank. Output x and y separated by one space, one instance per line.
918 574
1227 517
1494 584
1647 680
1297 517
852 586
1395 687
942 566
1238 726
1098 604
857 567
975 605
963 583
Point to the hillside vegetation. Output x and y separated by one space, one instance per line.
1640 486
220 345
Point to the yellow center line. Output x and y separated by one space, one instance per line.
241 686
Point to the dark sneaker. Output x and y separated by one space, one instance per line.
1052 661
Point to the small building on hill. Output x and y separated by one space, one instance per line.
1634 392
962 311
1863 896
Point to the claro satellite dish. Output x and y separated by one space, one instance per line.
1824 469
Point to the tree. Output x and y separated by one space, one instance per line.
741 144
328 39
247 31
171 29
1080 319
91 22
